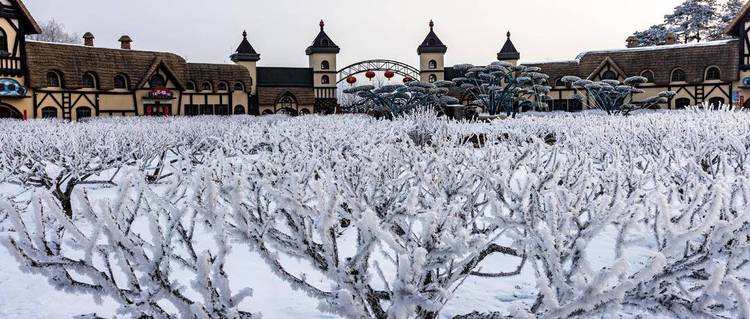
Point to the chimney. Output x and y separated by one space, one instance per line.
670 39
125 42
632 41
88 39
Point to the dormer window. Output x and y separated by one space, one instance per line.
239 87
157 81
649 75
120 82
206 86
88 81
713 74
54 80
678 75
223 87
190 86
609 75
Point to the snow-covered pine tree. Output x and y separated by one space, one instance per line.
654 35
692 20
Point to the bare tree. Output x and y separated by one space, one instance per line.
54 31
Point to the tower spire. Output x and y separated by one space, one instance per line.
322 24
432 24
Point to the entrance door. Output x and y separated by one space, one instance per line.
157 110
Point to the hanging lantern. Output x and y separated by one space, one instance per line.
408 79
351 80
370 75
389 74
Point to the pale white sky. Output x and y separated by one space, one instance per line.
280 30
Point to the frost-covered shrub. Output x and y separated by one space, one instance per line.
504 88
613 96
135 248
620 216
399 99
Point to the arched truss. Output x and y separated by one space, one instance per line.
399 68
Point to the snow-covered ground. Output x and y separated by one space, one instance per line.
603 214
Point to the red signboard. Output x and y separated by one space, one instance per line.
161 93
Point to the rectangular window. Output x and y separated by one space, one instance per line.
192 110
222 109
207 109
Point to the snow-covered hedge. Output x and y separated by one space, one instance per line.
390 217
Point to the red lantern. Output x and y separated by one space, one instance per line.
389 74
370 75
408 79
351 80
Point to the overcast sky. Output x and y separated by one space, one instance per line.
280 30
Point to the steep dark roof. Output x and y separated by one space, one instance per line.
451 73
30 25
288 77
432 43
322 43
245 52
508 52
215 73
73 61
694 59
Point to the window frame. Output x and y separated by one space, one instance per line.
325 65
649 80
94 81
124 78
45 109
432 65
675 72
57 75
207 84
709 72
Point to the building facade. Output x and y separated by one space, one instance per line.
72 82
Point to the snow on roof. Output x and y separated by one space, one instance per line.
658 47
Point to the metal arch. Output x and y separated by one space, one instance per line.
399 68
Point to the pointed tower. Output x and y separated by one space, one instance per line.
509 53
432 57
247 57
322 54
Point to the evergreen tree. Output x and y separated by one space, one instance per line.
692 21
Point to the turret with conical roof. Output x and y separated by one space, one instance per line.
432 43
246 56
322 55
245 52
432 57
322 43
509 53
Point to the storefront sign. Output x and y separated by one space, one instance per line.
161 93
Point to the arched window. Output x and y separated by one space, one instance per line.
206 86
3 41
157 81
83 112
559 83
713 73
649 75
681 103
89 81
433 78
120 82
239 109
325 65
49 113
267 112
54 80
190 86
222 86
239 87
609 75
716 101
287 102
678 75
432 65
325 80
